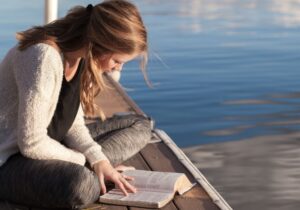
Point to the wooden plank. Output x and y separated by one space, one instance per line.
100 206
161 158
191 203
104 206
138 162
169 206
114 207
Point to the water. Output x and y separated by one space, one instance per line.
226 77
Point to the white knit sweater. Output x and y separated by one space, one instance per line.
30 82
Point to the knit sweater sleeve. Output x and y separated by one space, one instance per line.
79 138
38 72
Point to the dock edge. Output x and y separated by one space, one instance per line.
211 191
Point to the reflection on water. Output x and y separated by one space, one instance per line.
268 121
260 172
288 10
256 173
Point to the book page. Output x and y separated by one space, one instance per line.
147 198
153 180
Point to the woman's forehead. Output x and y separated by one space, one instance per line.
123 57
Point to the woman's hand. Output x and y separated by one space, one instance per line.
106 171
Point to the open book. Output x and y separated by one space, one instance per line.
154 189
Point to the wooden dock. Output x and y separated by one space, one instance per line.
161 154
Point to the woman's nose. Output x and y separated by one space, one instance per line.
117 67
120 67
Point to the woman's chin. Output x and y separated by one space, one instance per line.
115 75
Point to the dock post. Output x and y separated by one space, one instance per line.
50 10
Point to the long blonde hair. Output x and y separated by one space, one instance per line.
113 26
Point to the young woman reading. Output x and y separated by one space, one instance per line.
47 81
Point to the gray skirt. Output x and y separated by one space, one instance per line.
61 184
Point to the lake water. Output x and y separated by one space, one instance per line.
226 88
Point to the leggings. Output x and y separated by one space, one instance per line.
61 184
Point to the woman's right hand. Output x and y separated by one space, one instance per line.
105 171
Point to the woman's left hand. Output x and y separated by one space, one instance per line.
105 171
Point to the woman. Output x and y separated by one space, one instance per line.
46 82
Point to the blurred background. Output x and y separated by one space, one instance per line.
226 88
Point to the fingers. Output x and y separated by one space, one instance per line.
124 185
129 178
122 188
104 170
102 184
129 186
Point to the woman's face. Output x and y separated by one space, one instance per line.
115 61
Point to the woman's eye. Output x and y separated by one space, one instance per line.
118 62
